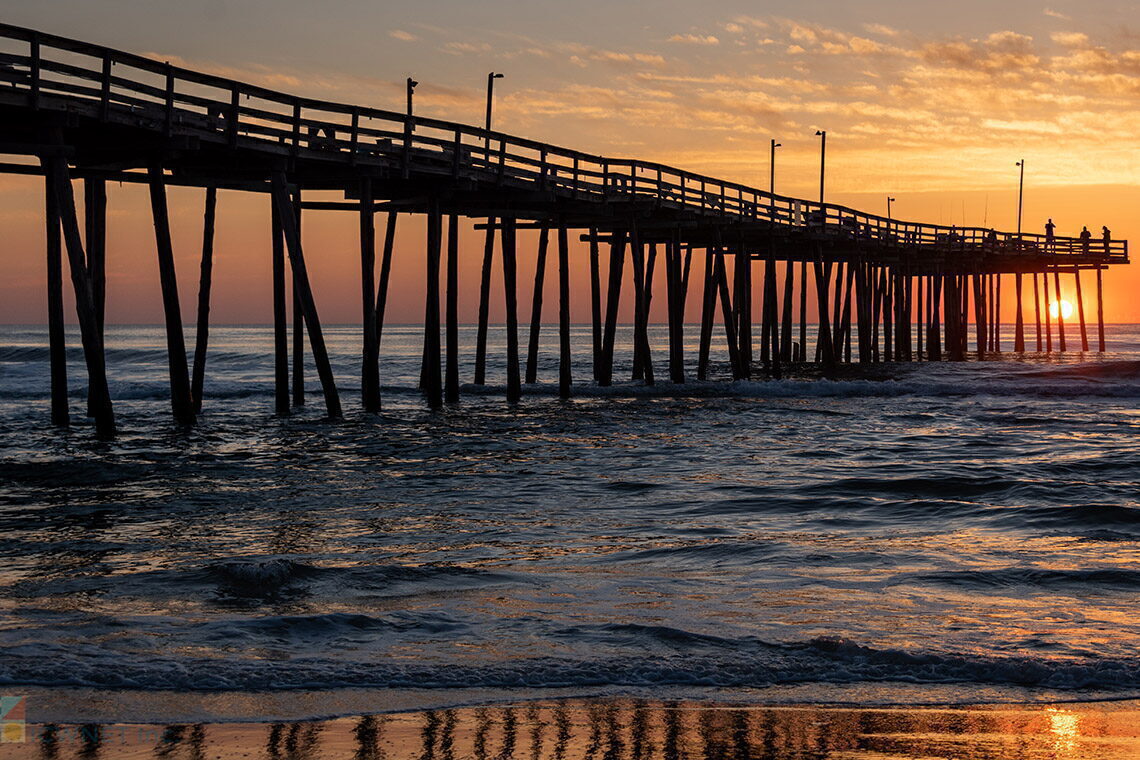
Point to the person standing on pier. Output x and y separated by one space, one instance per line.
1086 236
1106 235
1049 236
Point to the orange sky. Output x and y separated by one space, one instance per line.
930 106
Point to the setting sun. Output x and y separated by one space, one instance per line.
1065 308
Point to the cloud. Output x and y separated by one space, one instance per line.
881 29
1056 14
695 39
1070 39
400 34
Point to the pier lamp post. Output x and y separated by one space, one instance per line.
890 200
491 77
822 135
1020 194
772 169
411 90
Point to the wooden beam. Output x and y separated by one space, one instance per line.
1060 313
510 289
59 181
95 223
565 377
708 311
298 318
1019 316
484 304
57 341
536 307
1099 311
181 401
595 305
613 298
430 379
287 211
205 279
280 319
370 339
451 376
1081 311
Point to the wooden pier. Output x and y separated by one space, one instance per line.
887 290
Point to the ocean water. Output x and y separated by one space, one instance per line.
964 532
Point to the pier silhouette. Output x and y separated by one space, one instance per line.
886 289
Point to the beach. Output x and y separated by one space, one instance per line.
623 728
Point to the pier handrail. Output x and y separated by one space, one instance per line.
57 72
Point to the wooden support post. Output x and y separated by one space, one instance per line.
771 313
934 338
484 301
510 287
1099 311
1037 312
1081 309
979 314
845 312
803 311
613 297
298 322
825 350
59 184
370 353
953 311
920 325
181 401
727 315
385 276
642 363
676 309
595 305
862 312
837 309
287 211
536 307
95 223
786 321
1019 317
996 318
280 318
1060 313
708 311
887 284
744 309
451 371
57 342
876 287
202 333
564 370
431 380
650 266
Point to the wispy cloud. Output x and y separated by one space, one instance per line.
400 34
695 39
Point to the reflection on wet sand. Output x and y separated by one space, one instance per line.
627 730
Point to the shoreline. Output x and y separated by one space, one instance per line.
623 727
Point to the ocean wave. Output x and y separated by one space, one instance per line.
1042 578
719 663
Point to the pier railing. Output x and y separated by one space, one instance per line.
57 73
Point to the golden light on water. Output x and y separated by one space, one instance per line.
1065 727
1063 307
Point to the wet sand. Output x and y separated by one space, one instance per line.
617 729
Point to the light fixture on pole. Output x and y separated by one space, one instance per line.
411 90
491 77
1020 193
822 135
890 200
772 169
